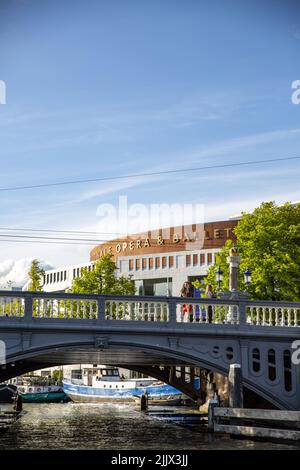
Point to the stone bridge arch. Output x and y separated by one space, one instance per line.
142 353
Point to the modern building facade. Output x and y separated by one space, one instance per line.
159 262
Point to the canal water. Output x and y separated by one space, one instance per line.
106 426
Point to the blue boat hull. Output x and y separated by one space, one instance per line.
82 393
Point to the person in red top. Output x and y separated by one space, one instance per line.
187 291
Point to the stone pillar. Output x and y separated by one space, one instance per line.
234 261
235 386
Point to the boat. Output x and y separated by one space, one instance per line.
36 390
105 385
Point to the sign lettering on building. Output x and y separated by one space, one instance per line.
141 243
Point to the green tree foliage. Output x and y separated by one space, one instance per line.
35 274
268 241
102 279
269 244
57 375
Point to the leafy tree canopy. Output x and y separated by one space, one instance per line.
35 274
268 241
102 279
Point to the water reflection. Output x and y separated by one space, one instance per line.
105 426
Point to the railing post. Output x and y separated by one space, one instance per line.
28 300
101 309
242 313
172 312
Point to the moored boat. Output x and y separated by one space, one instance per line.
106 385
34 390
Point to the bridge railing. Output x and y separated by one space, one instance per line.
174 310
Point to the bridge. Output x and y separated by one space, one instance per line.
169 338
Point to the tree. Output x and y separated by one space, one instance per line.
268 241
35 273
269 244
102 279
57 375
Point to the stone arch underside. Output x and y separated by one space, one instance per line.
122 354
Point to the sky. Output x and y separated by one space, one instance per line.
116 87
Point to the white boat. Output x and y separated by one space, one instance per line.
106 385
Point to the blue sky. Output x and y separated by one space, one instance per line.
103 88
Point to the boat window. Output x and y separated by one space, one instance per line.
122 386
116 386
104 386
110 386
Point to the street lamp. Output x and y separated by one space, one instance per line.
247 277
219 276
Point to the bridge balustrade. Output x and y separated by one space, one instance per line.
166 310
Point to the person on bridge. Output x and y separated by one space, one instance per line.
187 291
209 294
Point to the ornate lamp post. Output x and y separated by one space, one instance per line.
219 277
247 277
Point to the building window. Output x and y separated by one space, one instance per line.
195 260
256 360
74 272
209 258
202 259
51 278
164 261
144 263
65 275
131 265
78 272
44 279
157 263
287 364
48 278
271 364
137 264
171 261
54 277
188 260
151 263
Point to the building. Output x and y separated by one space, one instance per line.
159 262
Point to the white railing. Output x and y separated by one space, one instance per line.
137 310
12 307
205 312
78 308
172 310
273 315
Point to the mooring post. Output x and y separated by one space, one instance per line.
235 387
212 404
144 403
